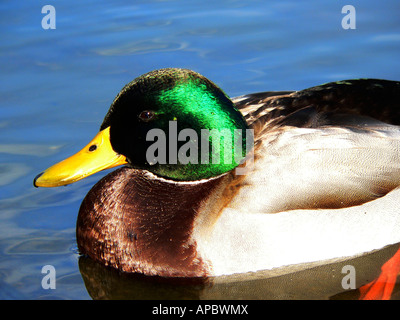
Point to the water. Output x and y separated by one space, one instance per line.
56 86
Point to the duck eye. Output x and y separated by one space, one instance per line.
92 147
146 115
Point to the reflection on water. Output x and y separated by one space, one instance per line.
141 47
320 282
23 257
58 84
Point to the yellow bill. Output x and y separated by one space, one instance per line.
96 156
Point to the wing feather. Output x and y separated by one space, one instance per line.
331 146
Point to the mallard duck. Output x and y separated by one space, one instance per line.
319 181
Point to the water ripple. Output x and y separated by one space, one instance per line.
140 47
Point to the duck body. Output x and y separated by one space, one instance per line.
322 184
181 235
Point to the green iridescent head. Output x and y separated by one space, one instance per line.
177 124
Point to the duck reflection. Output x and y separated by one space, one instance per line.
318 282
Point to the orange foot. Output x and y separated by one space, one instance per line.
382 287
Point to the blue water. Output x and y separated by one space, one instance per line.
57 84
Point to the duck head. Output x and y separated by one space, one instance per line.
172 122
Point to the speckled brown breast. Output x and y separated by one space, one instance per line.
137 224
